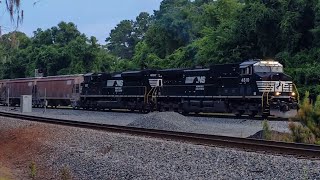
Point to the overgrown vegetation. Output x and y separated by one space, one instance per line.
305 127
33 170
269 134
66 174
266 130
309 116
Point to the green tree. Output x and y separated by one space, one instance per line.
127 34
122 41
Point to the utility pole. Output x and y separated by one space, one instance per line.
8 99
45 100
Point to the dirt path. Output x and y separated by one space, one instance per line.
19 148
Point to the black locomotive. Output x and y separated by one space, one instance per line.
253 87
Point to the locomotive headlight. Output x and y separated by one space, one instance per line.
293 94
278 93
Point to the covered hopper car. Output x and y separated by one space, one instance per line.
56 90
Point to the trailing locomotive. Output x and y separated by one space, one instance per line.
253 87
128 90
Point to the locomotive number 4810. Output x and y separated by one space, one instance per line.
245 80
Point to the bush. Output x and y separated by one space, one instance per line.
309 116
33 170
65 174
266 130
301 134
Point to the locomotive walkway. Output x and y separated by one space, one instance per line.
279 148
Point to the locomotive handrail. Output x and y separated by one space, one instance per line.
145 94
145 90
262 104
187 85
269 90
122 86
149 94
154 96
262 98
298 95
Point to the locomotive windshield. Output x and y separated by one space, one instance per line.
268 66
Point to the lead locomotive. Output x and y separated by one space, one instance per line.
253 87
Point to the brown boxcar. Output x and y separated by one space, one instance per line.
58 90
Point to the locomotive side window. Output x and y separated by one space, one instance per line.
246 70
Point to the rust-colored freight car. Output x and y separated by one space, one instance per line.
3 91
57 90
17 87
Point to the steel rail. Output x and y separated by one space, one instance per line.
278 148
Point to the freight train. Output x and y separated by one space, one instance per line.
254 87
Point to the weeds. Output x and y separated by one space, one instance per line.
65 174
33 170
301 134
266 130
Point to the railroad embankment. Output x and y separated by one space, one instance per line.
46 151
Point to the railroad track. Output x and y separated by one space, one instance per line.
278 148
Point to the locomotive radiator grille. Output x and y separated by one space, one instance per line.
275 86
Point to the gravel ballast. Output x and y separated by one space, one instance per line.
89 154
163 121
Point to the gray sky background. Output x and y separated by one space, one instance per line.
94 18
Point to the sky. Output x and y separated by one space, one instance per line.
92 17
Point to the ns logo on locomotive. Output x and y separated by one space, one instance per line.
254 87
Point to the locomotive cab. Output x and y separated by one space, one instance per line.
267 80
